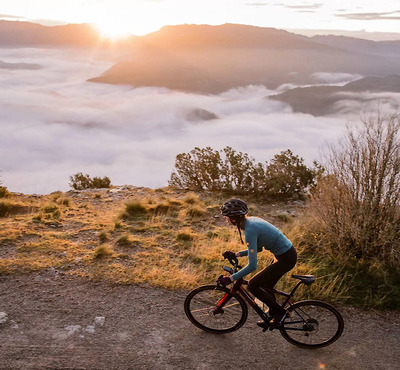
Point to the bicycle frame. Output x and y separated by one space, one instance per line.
239 289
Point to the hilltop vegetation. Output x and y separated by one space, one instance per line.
344 226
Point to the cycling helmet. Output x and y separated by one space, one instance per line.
234 207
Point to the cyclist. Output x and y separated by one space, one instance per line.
259 234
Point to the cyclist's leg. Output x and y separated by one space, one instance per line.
262 283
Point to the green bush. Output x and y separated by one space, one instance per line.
285 177
4 193
79 181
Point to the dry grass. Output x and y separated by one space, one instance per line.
146 236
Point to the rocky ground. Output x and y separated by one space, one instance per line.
49 320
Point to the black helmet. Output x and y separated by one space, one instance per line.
234 207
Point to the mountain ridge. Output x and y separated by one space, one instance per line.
259 56
320 100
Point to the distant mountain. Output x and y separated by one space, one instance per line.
24 34
320 100
212 59
382 48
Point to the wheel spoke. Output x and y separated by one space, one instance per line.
201 308
312 324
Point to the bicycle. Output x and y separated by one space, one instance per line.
219 310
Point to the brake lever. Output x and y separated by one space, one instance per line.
234 262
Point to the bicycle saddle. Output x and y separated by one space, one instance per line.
306 279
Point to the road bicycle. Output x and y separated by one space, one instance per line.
219 310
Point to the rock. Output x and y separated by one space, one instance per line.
3 317
99 320
72 329
90 329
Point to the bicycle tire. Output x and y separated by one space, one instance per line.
200 305
312 324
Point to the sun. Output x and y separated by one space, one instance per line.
112 29
116 29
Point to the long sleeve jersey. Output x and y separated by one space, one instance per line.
260 234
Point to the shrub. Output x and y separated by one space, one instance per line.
357 203
4 193
79 181
286 176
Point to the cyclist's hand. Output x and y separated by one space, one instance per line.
229 255
225 280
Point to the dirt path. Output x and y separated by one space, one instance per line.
58 322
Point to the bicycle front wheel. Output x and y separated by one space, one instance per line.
312 324
214 309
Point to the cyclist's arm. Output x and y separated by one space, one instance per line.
242 253
252 253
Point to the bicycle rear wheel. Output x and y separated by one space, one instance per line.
214 309
312 324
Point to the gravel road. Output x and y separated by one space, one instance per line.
54 321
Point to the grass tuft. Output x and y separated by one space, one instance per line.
134 209
103 236
103 251
11 208
124 240
185 235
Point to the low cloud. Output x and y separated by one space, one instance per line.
257 4
55 124
300 7
395 15
12 17
339 79
304 6
367 102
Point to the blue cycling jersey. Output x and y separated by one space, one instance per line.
261 234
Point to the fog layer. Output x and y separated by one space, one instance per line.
54 123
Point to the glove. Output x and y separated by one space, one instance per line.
228 255
225 280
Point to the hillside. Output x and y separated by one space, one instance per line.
321 100
95 234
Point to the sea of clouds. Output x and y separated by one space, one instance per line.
54 123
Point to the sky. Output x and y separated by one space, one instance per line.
118 17
54 123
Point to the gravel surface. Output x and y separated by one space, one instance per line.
54 321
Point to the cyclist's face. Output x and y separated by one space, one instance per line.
228 221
